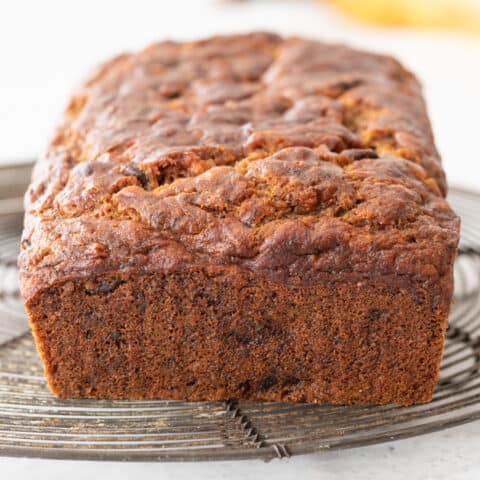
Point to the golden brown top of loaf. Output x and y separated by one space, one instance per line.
289 157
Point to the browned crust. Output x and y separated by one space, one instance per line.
287 157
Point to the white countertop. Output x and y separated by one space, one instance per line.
47 47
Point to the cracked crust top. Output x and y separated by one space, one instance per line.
289 157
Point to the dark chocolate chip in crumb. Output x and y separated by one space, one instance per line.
267 382
141 302
290 380
115 338
245 387
106 286
340 212
213 301
172 95
359 153
140 175
345 85
376 314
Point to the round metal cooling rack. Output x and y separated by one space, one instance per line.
34 423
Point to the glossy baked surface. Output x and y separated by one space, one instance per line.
287 157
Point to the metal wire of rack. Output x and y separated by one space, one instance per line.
34 423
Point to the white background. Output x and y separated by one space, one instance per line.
47 47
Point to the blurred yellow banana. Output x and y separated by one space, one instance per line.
449 14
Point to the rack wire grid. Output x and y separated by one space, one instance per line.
34 423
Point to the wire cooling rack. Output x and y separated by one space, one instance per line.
34 423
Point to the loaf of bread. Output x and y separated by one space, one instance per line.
245 216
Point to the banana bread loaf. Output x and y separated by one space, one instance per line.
245 217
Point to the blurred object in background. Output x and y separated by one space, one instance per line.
440 14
